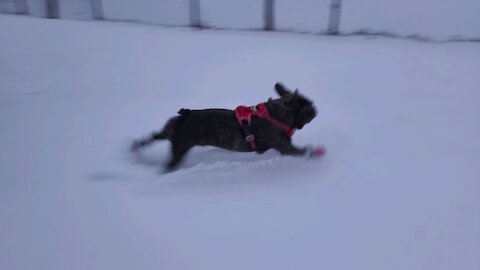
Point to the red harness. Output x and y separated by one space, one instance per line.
244 117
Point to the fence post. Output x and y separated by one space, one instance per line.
97 9
21 7
268 15
53 9
195 19
334 20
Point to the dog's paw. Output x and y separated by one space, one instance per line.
135 146
143 142
316 152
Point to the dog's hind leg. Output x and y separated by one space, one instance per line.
178 152
166 133
146 141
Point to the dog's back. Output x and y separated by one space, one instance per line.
214 127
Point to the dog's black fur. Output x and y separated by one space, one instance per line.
219 127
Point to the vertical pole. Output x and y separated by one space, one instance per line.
195 20
21 7
334 20
268 15
53 9
97 9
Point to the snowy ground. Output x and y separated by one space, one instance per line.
398 189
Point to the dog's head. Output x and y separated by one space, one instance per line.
302 108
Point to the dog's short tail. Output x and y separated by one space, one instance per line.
169 129
184 113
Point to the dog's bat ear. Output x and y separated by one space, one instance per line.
281 89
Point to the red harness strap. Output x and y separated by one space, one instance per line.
244 118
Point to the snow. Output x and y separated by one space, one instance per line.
437 20
430 18
398 188
434 19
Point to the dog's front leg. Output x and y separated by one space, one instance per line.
308 151
179 149
290 150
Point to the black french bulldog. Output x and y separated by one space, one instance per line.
222 128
